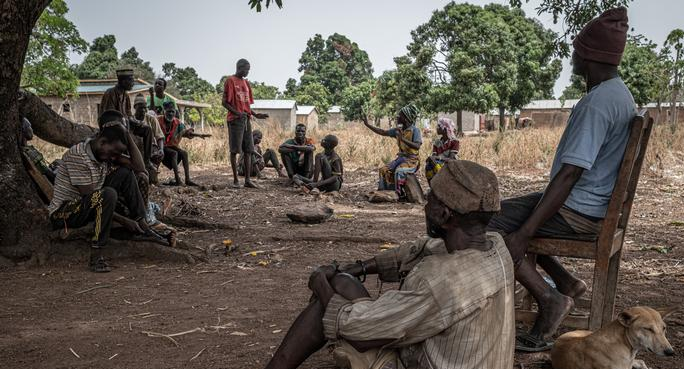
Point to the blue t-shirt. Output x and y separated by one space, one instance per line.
595 139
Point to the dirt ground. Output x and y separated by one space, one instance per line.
240 304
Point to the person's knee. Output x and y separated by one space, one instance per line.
348 287
109 196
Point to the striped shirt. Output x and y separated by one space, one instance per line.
452 311
78 168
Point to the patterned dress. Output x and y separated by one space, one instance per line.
393 174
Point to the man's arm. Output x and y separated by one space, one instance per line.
136 162
405 316
554 197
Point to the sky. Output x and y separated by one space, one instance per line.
211 35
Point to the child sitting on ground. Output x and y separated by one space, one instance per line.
328 165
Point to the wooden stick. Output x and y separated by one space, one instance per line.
333 238
94 288
198 354
74 352
188 222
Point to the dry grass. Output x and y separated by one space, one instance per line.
523 150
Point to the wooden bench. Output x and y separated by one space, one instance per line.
606 249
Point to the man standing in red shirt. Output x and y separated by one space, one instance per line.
237 97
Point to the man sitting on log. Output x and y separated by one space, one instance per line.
328 168
116 98
87 187
454 307
298 154
260 159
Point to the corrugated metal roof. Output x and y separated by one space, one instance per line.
93 86
551 104
305 109
335 109
274 104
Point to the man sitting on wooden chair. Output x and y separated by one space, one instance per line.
583 175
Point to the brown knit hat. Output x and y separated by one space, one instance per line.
466 187
603 39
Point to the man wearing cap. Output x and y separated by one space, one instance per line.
116 98
583 175
237 98
454 306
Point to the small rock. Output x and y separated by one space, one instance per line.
310 214
382 196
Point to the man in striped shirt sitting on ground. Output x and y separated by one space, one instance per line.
87 189
454 306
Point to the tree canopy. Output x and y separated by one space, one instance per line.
479 58
185 82
336 63
46 68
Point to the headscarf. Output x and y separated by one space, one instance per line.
447 125
410 111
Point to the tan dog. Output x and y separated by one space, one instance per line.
615 346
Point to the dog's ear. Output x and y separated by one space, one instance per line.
665 312
626 319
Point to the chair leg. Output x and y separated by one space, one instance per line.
599 289
611 288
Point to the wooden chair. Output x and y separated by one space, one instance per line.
606 249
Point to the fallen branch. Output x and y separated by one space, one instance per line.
198 354
188 222
170 336
333 238
94 288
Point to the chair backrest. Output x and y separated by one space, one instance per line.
621 201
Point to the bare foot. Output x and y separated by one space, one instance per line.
236 185
551 314
574 290
190 183
250 184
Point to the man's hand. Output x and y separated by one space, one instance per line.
261 115
244 116
517 243
318 283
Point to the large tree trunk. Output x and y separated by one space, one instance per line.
502 119
23 220
459 123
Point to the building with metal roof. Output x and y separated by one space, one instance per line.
308 115
281 113
85 106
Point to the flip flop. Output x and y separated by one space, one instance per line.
526 342
100 266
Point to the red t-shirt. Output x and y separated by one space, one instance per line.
237 93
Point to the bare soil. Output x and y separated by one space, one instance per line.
240 304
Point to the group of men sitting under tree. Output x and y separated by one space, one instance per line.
454 307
